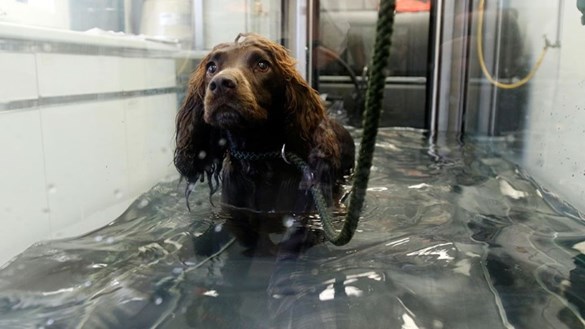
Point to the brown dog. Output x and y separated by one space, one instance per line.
246 103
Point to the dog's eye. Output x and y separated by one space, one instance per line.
211 68
263 65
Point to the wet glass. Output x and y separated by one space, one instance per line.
474 212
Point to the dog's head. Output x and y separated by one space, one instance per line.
249 84
244 84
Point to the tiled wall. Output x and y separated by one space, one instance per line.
81 135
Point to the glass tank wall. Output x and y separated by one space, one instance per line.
89 89
514 69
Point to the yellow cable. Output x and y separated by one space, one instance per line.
482 60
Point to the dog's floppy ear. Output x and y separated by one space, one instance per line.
303 106
310 119
200 148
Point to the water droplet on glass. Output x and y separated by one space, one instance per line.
202 155
118 194
52 189
218 227
158 301
288 222
437 324
222 142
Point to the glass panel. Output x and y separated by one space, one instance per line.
501 76
89 90
170 21
344 48
530 89
477 222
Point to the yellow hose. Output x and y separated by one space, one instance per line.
482 60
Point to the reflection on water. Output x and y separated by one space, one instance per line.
452 236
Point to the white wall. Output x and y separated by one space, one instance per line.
71 166
553 151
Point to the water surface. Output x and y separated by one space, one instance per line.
452 236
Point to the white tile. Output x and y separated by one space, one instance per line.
24 211
147 73
85 146
85 74
93 221
63 74
18 78
150 137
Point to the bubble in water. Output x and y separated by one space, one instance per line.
143 203
202 155
218 227
222 142
50 322
158 301
98 238
177 270
87 284
110 240
52 188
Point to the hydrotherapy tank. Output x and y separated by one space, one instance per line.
89 90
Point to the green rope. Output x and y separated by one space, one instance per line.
374 96
372 112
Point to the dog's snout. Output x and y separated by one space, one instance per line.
222 83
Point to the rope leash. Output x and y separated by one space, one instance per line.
373 109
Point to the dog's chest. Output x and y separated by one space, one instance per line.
264 186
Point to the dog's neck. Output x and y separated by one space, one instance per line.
262 139
267 138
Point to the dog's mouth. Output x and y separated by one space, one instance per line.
227 118
233 113
224 115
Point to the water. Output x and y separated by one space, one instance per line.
452 236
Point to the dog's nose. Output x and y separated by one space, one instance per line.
222 83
